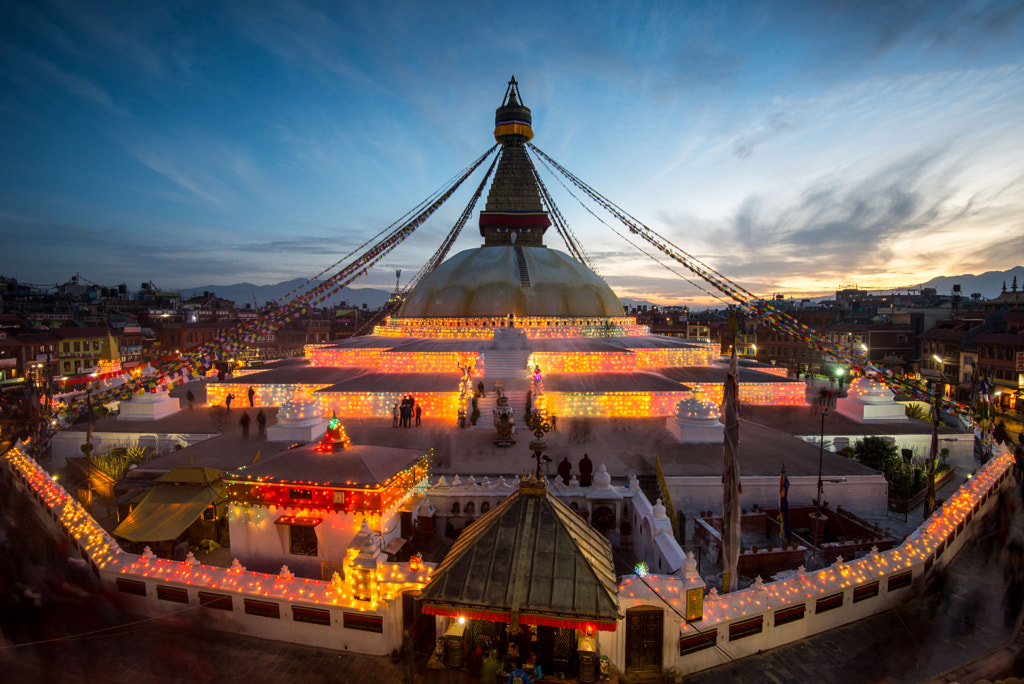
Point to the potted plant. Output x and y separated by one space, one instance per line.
669 675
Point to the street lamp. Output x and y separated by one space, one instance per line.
816 532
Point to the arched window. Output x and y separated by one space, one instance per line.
470 508
484 507
455 508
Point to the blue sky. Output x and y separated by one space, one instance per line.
793 146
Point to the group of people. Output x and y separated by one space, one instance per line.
261 424
402 415
586 471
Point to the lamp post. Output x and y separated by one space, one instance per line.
816 533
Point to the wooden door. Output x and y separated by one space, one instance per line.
644 640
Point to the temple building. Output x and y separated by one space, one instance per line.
320 530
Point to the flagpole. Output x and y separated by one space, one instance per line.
731 489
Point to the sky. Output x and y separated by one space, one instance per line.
795 147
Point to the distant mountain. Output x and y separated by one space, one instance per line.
243 293
989 284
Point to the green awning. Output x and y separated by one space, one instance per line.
165 512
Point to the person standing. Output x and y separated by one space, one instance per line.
408 655
245 421
191 398
491 666
227 402
565 470
419 412
394 416
586 471
261 425
252 397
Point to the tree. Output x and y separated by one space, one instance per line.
875 452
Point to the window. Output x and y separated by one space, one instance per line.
484 507
455 508
78 346
470 508
302 540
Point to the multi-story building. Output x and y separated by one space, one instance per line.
80 348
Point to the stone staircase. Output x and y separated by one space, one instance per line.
509 366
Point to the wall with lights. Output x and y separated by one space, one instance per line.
394 362
266 395
651 404
280 606
380 404
762 617
534 327
768 615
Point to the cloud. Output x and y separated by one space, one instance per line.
874 28
70 83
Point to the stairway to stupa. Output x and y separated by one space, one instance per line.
509 366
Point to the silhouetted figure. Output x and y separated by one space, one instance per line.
252 397
191 399
394 416
227 401
261 425
245 421
419 412
565 470
586 471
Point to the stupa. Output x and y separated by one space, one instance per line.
504 308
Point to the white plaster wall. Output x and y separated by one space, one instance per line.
258 541
67 444
960 445
865 495
237 621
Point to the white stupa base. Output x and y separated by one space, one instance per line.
692 434
306 431
150 406
861 412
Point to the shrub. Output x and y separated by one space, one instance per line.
917 411
875 452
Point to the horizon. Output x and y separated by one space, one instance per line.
793 148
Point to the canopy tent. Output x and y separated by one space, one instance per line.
530 560
167 510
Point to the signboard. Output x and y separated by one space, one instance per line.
1020 362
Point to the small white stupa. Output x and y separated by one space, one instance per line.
300 419
869 400
696 420
149 405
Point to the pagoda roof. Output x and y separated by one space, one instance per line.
531 558
359 465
